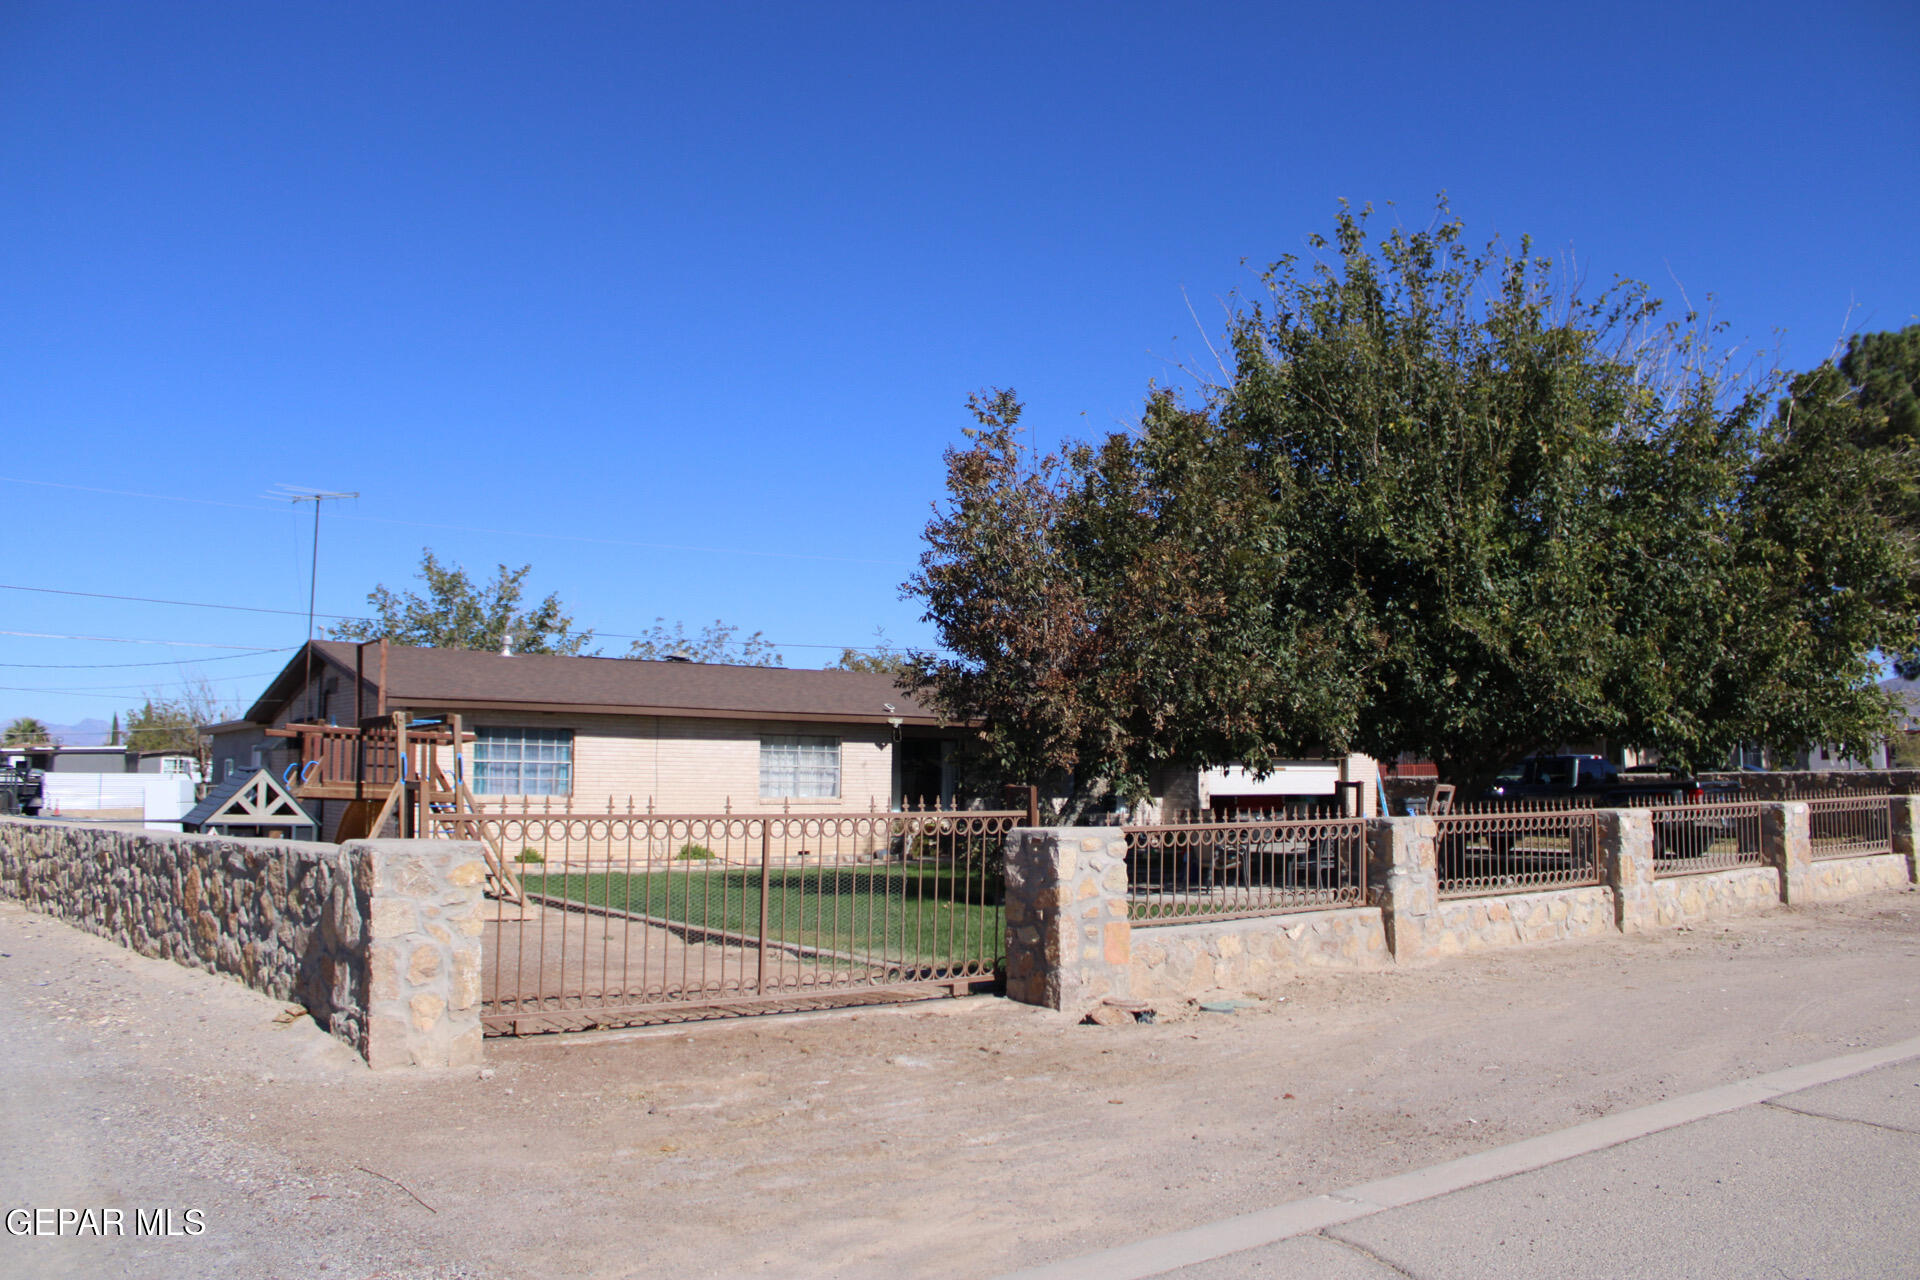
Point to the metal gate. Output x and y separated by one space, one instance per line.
637 918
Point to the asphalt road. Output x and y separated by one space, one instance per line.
1758 1178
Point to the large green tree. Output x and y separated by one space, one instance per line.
455 613
1001 586
1884 371
1442 503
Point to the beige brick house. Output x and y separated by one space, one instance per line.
583 734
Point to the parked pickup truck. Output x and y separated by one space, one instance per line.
20 789
1684 831
1611 787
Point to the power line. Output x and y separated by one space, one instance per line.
144 688
185 604
103 666
462 528
351 617
110 697
183 644
129 493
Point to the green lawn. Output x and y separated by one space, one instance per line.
897 913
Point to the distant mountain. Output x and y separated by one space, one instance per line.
88 733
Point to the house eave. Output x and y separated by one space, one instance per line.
398 701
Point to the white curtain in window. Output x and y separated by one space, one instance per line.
800 767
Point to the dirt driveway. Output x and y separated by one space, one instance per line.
960 1138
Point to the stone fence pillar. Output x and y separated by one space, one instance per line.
1069 945
424 907
1403 880
1787 838
1626 851
1906 833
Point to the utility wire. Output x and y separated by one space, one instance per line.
144 688
183 644
462 528
345 617
188 604
110 697
105 666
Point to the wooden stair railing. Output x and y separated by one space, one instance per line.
462 820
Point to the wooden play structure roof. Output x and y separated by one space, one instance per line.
251 805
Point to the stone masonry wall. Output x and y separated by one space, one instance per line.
283 917
1465 925
1071 945
1714 895
379 941
1831 879
1799 784
1255 956
423 950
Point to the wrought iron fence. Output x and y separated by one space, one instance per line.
1850 826
1835 788
1532 804
1706 837
631 918
1185 871
1517 850
1287 809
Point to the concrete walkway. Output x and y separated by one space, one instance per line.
1805 1174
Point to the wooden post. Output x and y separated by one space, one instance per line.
405 775
380 707
360 722
1033 806
459 759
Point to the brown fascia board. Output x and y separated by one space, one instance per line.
463 705
285 686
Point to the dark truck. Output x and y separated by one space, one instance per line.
1600 780
20 789
1597 781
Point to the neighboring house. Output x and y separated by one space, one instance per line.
1906 723
1290 786
584 734
1830 759
62 759
112 783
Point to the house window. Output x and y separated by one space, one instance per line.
523 762
795 766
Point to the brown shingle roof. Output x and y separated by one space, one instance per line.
450 679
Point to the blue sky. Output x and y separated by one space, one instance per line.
682 303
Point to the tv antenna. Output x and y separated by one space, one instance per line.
295 493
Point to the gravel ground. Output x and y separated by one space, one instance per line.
955 1138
